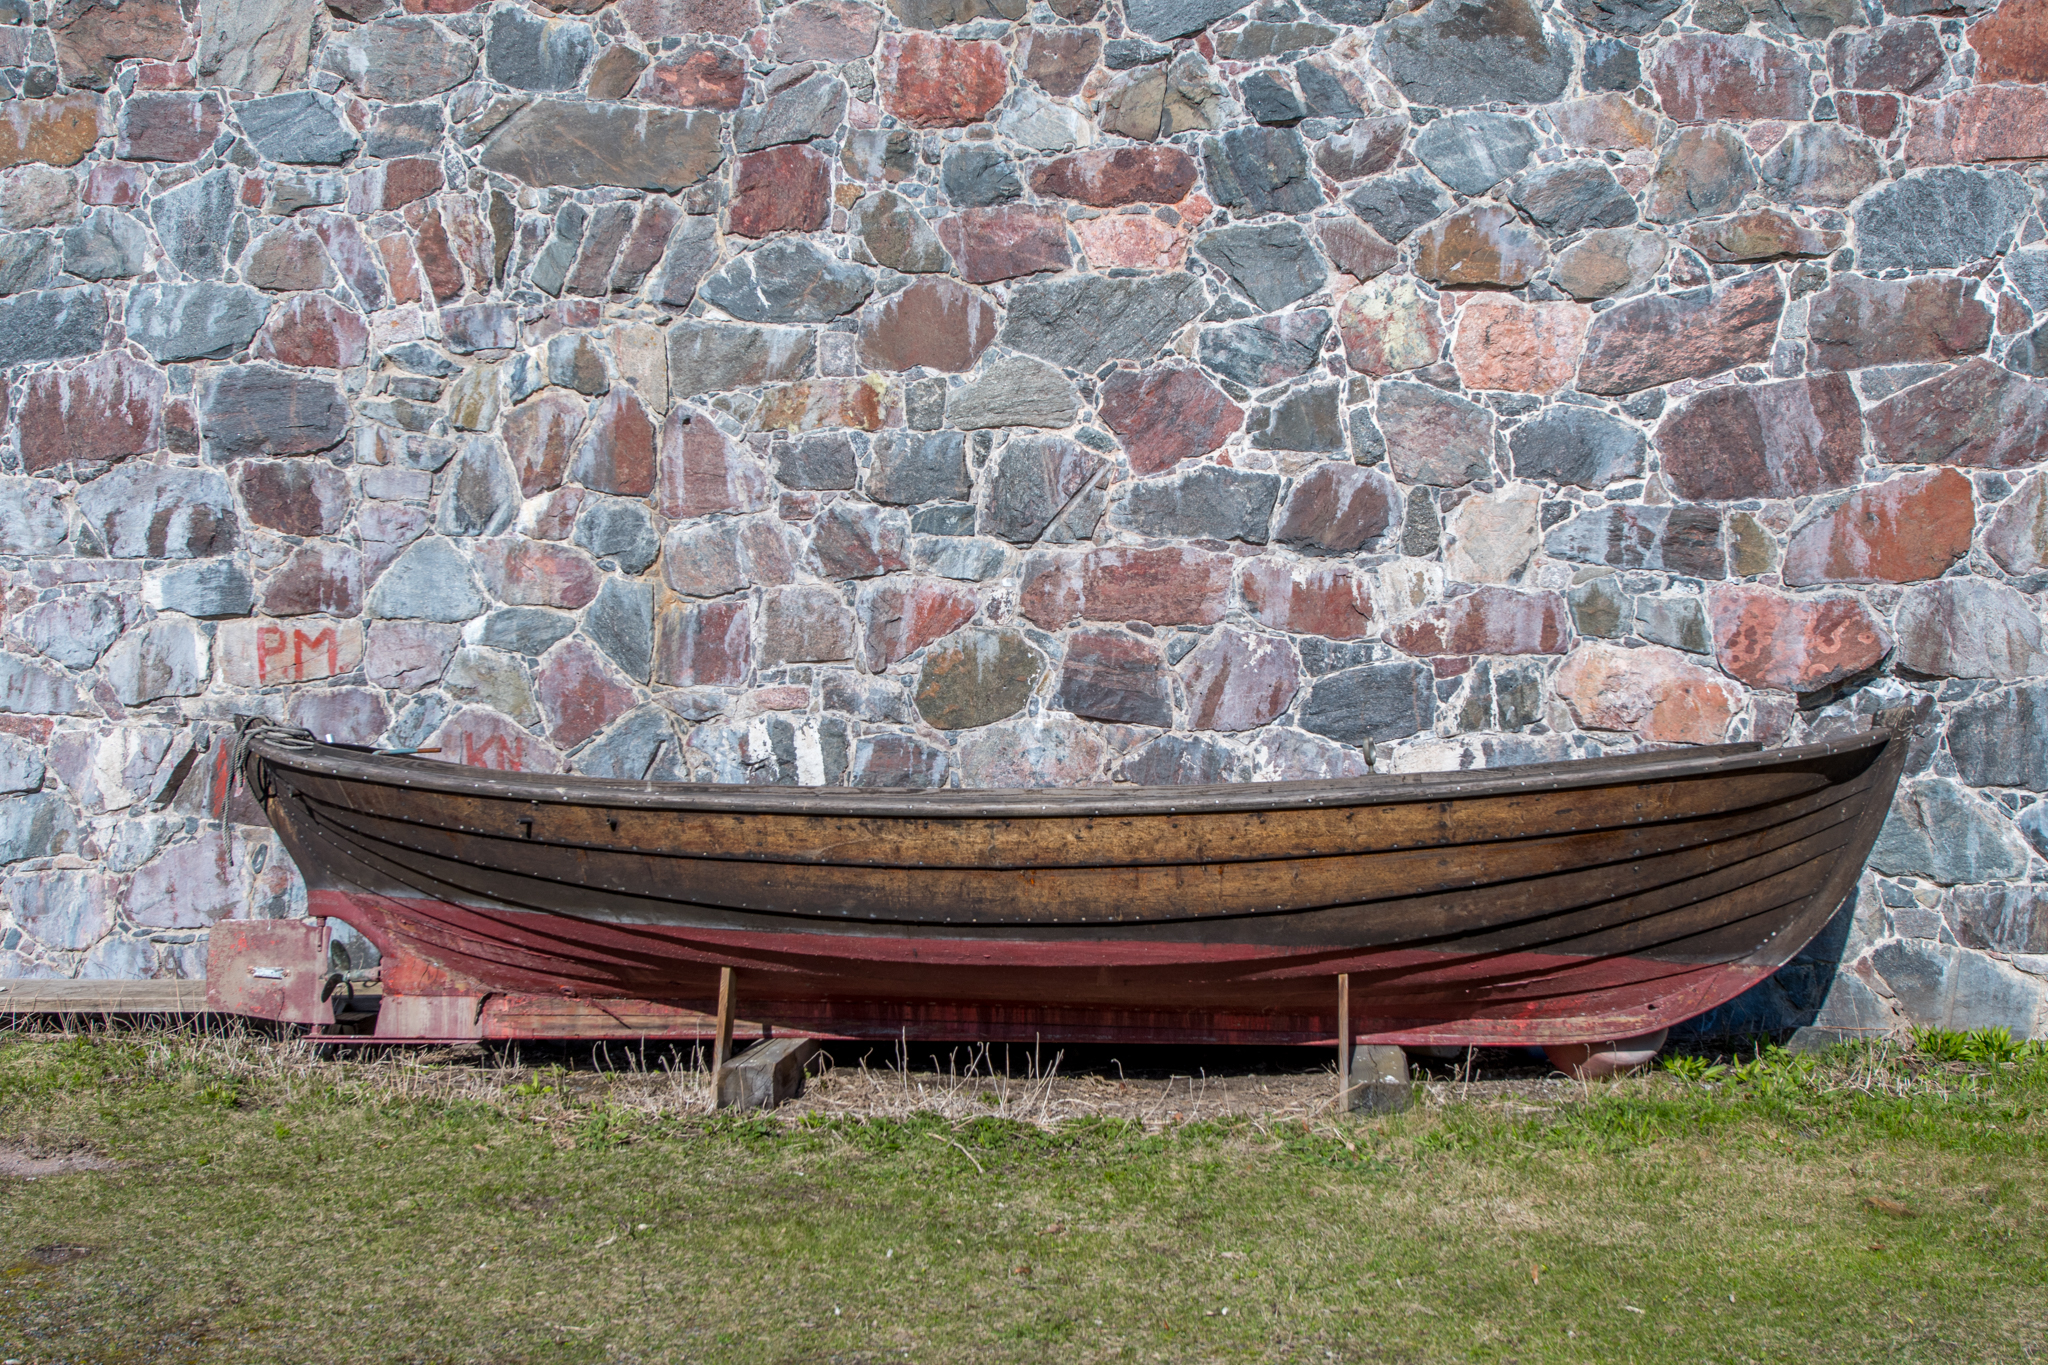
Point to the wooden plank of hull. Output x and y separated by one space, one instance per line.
1493 909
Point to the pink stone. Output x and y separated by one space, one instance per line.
1793 644
699 76
1238 680
705 646
1490 620
1702 77
1045 751
1307 599
703 471
1858 321
579 692
1912 527
782 189
1336 508
805 624
1171 586
1654 692
348 715
1503 343
860 540
1134 241
110 182
187 886
530 573
539 433
1983 123
408 655
480 738
1610 121
825 30
900 616
1111 177
935 82
1004 243
312 329
939 324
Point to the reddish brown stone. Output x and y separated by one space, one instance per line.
1391 325
1780 440
1874 116
1900 57
1646 342
1978 414
703 472
1504 343
1484 244
1609 121
933 82
1764 235
437 257
396 183
1912 527
168 127
1110 676
1004 243
1307 599
1487 621
104 410
825 31
615 452
705 646
937 323
900 616
95 36
1107 177
1059 59
2012 42
805 624
657 19
698 76
409 283
1237 680
1356 249
109 182
55 132
1793 644
289 258
784 189
1179 585
859 540
1370 146
1857 321
579 693
479 738
1656 693
297 497
313 329
868 403
319 578
539 433
537 573
1983 123
1705 77
1337 508
1166 415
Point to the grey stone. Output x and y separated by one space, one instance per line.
1702 172
405 130
618 529
621 623
303 127
1969 628
1380 1083
399 60
896 235
1946 216
257 47
788 281
2000 739
1435 437
141 511
1029 482
581 143
1261 170
1571 196
267 410
208 320
31 516
527 52
1185 761
530 631
1309 418
192 221
430 581
692 250
1422 529
39 826
207 587
1267 351
1681 539
963 558
108 245
1164 19
1015 391
27 261
28 687
1611 65
1082 322
1939 986
1459 53
575 361
480 491
1680 622
907 468
1274 263
1821 163
711 357
1474 152
1626 16
1324 94
1585 447
2028 271
1601 608
551 267
73 631
1377 702
1268 98
1207 502
167 658
2033 827
813 107
641 747
21 765
52 324
1121 54
2012 918
1939 830
1395 205
978 175
825 459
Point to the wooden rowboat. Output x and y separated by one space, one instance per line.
1549 904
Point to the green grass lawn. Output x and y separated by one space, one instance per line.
1875 1203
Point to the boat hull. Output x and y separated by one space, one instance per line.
1569 903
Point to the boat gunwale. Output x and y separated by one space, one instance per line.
289 752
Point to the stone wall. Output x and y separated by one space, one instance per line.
968 394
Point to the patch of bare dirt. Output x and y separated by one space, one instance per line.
20 1164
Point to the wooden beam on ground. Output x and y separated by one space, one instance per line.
766 1074
102 997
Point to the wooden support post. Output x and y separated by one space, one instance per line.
721 1048
1344 1042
